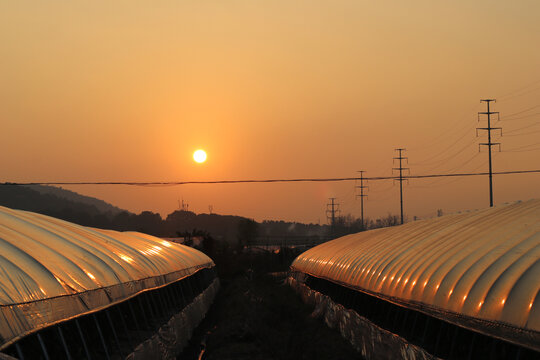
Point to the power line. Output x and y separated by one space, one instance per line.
520 117
447 134
526 150
441 181
381 190
469 174
521 94
516 132
446 149
439 163
460 166
524 146
438 180
347 194
521 128
518 89
386 196
175 183
521 112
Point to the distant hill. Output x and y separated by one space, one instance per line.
59 203
88 211
101 205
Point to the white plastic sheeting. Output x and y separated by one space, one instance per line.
170 340
479 265
371 341
52 270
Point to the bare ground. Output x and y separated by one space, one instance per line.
256 316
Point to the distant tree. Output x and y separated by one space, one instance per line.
122 221
389 220
347 224
247 231
181 217
209 245
149 223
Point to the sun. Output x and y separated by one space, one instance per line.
199 156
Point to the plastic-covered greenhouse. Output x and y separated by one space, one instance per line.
69 291
463 286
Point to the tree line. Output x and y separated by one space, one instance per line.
180 223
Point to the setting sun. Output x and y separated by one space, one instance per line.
199 156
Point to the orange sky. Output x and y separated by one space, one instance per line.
127 90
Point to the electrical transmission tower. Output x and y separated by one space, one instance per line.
332 210
362 196
400 179
489 144
184 206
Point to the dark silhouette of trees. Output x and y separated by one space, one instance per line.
215 230
150 223
25 198
247 232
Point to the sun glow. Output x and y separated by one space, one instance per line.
199 156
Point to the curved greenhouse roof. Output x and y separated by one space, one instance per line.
478 269
53 270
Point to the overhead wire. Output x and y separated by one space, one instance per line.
519 89
526 150
385 189
441 181
519 117
438 180
521 128
440 162
387 195
254 181
347 197
523 134
524 146
520 94
444 161
522 111
516 92
447 133
446 149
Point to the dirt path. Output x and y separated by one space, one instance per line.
260 318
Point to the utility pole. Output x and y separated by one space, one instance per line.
489 144
331 213
400 179
362 196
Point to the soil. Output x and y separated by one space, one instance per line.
260 317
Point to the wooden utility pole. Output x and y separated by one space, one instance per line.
400 178
362 196
489 144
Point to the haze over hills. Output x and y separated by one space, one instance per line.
232 229
59 192
88 211
54 201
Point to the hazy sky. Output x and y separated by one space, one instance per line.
127 90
